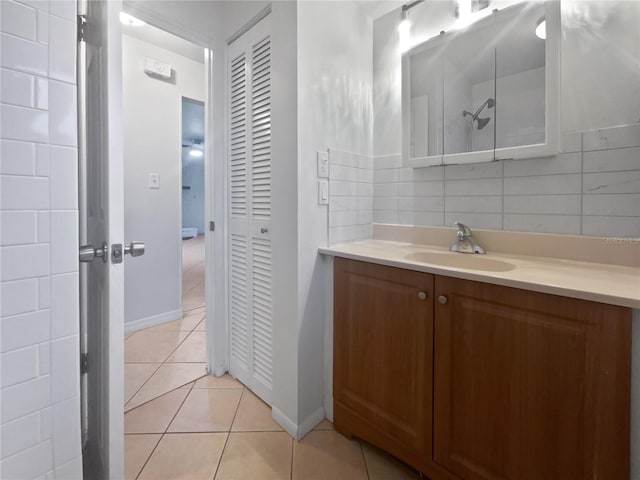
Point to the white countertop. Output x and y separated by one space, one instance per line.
598 282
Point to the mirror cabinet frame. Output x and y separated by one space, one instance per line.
552 95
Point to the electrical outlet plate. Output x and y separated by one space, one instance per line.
323 164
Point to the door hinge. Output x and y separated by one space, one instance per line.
212 226
82 28
84 363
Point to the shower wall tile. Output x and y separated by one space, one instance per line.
38 221
595 192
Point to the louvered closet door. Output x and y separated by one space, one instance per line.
249 150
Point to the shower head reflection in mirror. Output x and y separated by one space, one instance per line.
481 122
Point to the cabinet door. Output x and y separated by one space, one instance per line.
383 344
530 386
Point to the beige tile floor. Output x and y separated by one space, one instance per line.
215 428
183 424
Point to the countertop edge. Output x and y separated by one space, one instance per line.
480 277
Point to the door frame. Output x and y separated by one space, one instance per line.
215 243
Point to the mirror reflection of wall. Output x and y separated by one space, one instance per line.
192 168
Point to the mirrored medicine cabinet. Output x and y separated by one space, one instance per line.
486 92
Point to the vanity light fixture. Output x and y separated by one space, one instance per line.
541 29
404 27
196 153
130 20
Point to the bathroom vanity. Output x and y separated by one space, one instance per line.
484 367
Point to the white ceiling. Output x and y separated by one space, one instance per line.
162 39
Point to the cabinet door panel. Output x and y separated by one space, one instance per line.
383 339
529 386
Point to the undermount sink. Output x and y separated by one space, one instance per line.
461 260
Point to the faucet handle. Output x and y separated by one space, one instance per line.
463 230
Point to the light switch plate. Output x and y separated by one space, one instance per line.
323 192
154 180
323 164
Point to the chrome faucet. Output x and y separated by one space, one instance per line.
465 243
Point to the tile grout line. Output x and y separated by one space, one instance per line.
364 459
163 434
226 441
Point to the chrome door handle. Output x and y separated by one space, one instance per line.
88 253
135 249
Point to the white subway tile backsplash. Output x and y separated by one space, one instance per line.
44 292
338 204
364 189
343 189
42 28
64 314
617 160
62 59
480 186
365 203
543 204
343 173
20 331
24 193
19 366
43 226
17 158
20 123
339 157
341 219
386 175
42 160
19 434
29 463
64 235
66 430
468 172
421 218
42 94
543 185
385 203
420 189
561 164
385 189
18 227
571 142
429 174
63 179
433 203
64 359
611 182
63 114
482 204
608 226
44 360
70 471
387 161
18 20
19 296
385 216
17 88
23 55
490 221
25 398
63 9
24 261
365 175
616 137
564 224
613 205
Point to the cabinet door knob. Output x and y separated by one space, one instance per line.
442 299
422 295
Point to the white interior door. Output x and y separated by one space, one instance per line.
102 223
249 177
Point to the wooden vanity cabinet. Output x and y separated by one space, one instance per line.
479 381
383 355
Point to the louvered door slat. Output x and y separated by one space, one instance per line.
250 190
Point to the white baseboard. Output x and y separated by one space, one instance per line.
298 431
285 422
310 423
152 321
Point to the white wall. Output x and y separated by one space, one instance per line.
152 144
334 111
591 188
40 374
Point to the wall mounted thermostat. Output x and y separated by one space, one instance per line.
156 68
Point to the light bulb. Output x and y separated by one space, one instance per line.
404 32
194 152
541 30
